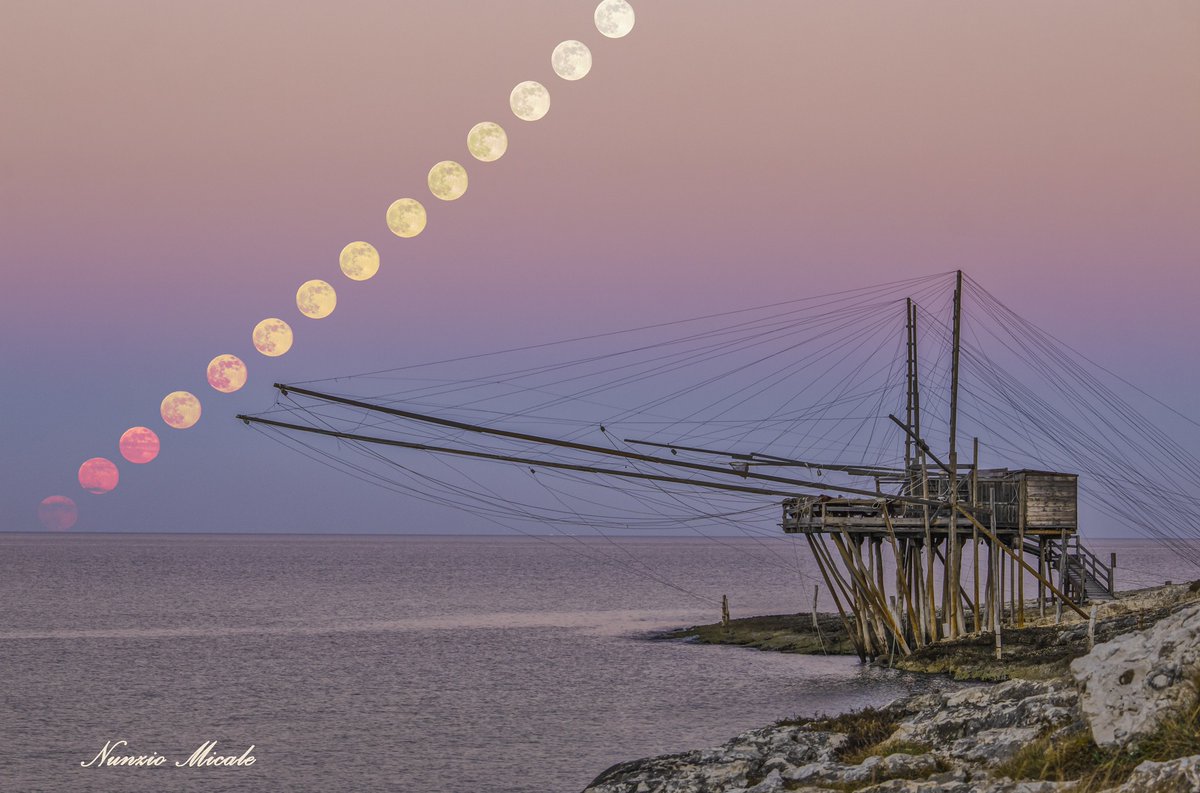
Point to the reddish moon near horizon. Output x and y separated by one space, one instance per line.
139 445
98 475
227 373
58 513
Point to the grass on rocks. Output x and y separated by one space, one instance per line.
1075 756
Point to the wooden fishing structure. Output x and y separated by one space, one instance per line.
938 518
935 550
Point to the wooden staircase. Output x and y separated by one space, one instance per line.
1087 578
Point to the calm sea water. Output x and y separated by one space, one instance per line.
357 663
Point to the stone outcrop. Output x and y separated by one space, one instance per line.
959 742
1174 776
967 731
1131 684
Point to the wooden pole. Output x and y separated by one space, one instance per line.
1041 572
901 578
975 532
1019 592
812 544
953 555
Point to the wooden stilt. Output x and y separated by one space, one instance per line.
812 544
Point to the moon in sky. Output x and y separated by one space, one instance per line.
448 180
98 475
529 100
359 260
316 299
58 513
227 373
571 60
139 445
406 217
614 18
180 409
487 141
272 337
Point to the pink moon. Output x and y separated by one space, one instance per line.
57 513
98 475
139 445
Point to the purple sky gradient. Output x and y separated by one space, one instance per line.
172 172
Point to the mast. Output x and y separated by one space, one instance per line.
908 408
954 557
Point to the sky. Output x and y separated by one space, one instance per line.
171 172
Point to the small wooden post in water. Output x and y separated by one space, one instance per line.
725 610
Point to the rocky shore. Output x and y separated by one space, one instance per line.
1124 716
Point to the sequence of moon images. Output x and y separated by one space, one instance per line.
359 261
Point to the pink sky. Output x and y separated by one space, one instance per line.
172 172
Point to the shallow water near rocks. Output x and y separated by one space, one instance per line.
396 662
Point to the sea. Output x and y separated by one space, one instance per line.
508 664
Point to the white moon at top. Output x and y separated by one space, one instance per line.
614 18
487 141
571 60
529 100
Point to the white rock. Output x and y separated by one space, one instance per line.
1129 685
1174 776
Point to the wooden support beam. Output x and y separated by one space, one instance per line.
836 601
1020 560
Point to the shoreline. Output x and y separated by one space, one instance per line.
1068 717
1041 650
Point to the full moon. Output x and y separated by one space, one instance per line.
448 180
571 60
58 513
529 100
316 299
180 409
406 217
227 373
139 445
98 475
359 261
272 337
487 141
614 18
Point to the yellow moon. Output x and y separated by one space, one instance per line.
448 180
180 410
614 18
529 100
571 60
272 337
316 299
359 261
227 373
487 141
406 217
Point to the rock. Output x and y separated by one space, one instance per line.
987 724
761 755
1129 685
1175 776
975 785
